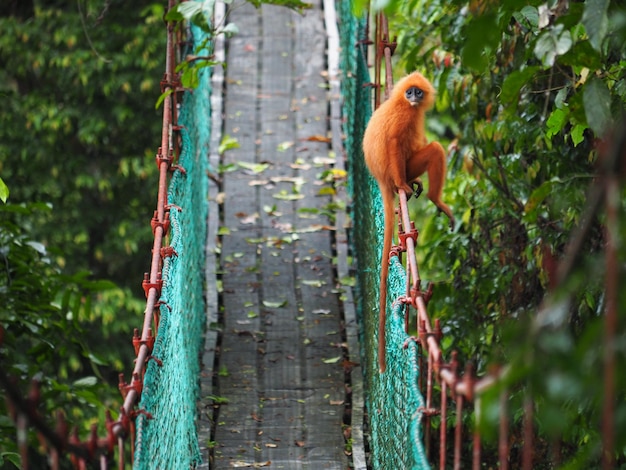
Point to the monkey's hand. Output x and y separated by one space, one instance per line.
407 188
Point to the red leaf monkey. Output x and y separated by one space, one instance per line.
397 153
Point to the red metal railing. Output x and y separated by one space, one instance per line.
459 387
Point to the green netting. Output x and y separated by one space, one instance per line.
393 398
169 439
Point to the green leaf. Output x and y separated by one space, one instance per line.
528 16
279 304
230 30
482 38
12 457
332 360
577 134
283 146
217 400
186 10
198 13
96 360
227 143
254 167
538 196
348 281
597 102
552 43
189 78
557 119
4 191
292 4
582 54
327 191
86 382
163 96
38 247
596 21
283 195
514 82
208 7
174 14
359 7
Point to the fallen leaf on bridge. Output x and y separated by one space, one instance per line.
241 464
249 219
318 138
254 167
288 197
332 360
278 304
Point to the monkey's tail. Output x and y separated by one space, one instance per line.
389 211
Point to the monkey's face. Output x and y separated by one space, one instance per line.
414 95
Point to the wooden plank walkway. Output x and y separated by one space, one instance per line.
279 359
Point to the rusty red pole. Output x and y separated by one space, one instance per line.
476 448
429 397
527 453
154 277
458 432
503 442
387 52
442 426
377 60
610 322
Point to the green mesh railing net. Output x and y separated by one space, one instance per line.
168 439
393 398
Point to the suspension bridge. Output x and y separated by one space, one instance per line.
258 345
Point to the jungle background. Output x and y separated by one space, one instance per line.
526 90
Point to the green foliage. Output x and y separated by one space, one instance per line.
78 126
45 335
525 90
78 134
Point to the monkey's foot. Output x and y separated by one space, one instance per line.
451 218
418 188
452 222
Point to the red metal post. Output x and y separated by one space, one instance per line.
442 426
610 322
527 454
503 442
476 448
458 432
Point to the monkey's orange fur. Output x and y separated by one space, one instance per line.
397 154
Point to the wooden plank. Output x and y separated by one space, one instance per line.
281 355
